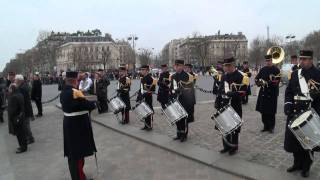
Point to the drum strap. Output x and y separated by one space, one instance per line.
226 87
303 85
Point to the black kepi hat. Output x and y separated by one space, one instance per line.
306 54
71 74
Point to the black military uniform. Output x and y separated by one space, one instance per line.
147 88
246 70
164 89
295 103
268 95
100 88
182 89
233 95
36 94
77 129
193 95
123 89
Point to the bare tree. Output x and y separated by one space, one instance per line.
105 57
145 56
312 42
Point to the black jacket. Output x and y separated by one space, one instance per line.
163 91
147 88
36 91
291 144
15 111
77 130
124 90
25 91
268 95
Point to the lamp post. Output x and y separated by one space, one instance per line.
133 38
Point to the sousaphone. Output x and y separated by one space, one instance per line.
277 54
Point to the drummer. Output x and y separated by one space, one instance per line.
182 90
232 88
123 90
147 88
298 98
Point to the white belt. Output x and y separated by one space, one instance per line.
301 98
76 113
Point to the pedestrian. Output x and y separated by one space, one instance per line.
85 83
36 93
100 88
2 97
25 91
16 117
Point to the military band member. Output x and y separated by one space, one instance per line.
147 88
245 69
182 89
232 88
188 69
298 98
163 83
268 80
123 89
77 129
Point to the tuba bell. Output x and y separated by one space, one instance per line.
277 54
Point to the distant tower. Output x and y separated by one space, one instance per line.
268 33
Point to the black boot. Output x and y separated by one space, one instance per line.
293 168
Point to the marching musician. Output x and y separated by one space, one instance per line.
298 98
182 89
147 88
217 76
123 90
188 69
232 88
163 83
77 129
245 68
268 80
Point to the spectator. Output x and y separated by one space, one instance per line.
36 93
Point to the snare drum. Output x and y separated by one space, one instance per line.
142 111
227 120
306 128
117 105
174 112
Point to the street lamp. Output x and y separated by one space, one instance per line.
132 38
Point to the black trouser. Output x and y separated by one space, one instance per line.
182 128
1 114
38 104
302 160
76 169
232 141
245 99
21 133
268 121
103 104
28 129
125 116
148 123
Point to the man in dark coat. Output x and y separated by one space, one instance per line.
182 89
147 88
16 120
188 69
245 69
268 80
2 97
232 88
123 90
25 91
100 88
163 83
36 93
77 129
297 101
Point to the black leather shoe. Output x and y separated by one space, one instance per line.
144 128
271 131
39 115
148 129
20 150
182 139
176 138
305 174
293 168
233 152
263 130
224 151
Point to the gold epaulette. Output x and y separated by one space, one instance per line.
245 80
191 78
195 76
154 82
128 81
77 94
289 75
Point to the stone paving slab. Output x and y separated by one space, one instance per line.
234 165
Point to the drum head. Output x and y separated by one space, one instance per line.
301 119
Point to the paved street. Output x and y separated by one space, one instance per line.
120 157
262 148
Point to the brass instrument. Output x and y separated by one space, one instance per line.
277 54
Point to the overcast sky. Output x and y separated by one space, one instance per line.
155 22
